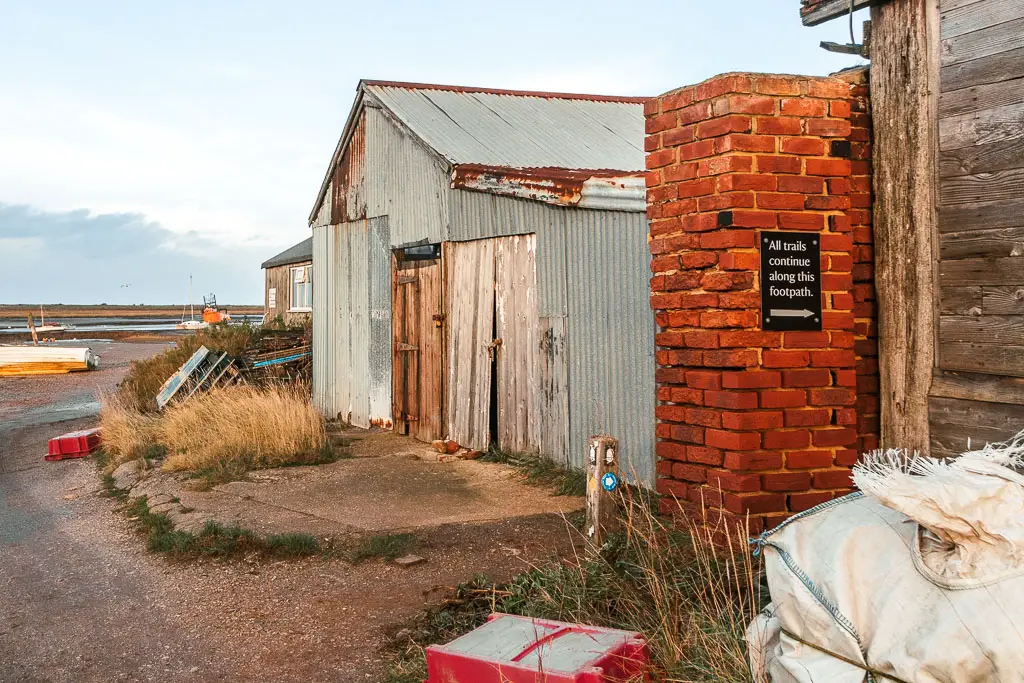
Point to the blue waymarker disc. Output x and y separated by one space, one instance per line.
609 481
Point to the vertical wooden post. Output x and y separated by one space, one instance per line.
32 329
904 74
602 489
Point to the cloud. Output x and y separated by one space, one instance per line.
82 257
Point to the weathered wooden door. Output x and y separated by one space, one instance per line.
470 297
517 327
418 336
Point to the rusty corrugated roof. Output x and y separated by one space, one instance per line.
520 129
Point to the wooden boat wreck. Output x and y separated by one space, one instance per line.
45 360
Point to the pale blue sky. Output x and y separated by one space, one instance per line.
211 123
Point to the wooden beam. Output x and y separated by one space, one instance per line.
904 83
602 499
827 10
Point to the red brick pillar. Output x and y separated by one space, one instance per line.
749 421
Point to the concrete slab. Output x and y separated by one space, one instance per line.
391 483
396 493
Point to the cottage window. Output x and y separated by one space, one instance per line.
302 288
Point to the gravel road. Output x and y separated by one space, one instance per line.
81 600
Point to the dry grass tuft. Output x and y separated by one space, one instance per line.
261 427
127 433
220 435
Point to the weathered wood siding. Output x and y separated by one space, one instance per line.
279 279
978 388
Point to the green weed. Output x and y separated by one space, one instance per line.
387 546
541 471
214 539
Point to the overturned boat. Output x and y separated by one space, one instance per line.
45 360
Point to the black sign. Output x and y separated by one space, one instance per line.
790 281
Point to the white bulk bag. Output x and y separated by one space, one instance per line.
919 578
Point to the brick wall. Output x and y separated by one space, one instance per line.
752 422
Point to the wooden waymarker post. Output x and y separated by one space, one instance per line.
602 488
32 329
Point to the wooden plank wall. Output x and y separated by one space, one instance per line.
279 278
978 387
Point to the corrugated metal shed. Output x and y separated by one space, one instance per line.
520 130
445 164
554 137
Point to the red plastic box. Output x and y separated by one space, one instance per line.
74 444
511 649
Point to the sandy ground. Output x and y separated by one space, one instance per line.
81 600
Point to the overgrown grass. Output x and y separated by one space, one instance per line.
139 388
242 426
220 435
387 546
541 471
216 540
690 591
127 433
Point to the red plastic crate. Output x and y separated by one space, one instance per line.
512 649
74 444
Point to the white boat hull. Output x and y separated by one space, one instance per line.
45 360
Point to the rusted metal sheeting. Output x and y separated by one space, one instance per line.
521 130
517 325
475 215
553 391
358 332
351 341
610 337
567 187
324 317
405 182
323 214
348 191
470 289
379 289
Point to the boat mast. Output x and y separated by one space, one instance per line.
191 308
42 318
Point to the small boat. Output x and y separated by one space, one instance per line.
52 327
212 314
45 360
191 323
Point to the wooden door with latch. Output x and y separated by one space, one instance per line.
417 326
517 342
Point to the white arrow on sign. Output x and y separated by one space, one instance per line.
789 313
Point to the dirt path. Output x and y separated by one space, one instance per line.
81 600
